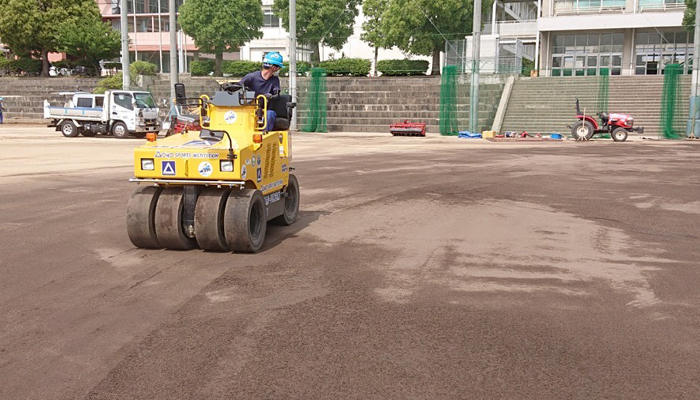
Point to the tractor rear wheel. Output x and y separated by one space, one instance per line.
140 217
291 203
619 134
244 221
68 129
209 219
582 130
169 221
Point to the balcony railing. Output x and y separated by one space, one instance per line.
572 8
512 28
657 6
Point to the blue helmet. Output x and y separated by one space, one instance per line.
273 58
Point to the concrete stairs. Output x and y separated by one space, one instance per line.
545 105
24 97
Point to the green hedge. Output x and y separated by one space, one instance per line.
202 67
27 65
346 67
303 68
240 68
143 68
402 67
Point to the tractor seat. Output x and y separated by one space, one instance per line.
604 117
283 106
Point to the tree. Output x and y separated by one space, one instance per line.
372 27
88 39
220 25
423 26
31 27
327 22
689 15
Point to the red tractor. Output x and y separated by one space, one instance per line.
616 125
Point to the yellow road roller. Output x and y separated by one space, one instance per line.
218 187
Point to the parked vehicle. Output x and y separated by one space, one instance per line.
117 112
618 126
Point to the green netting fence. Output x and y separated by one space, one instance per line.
603 90
671 123
316 96
448 101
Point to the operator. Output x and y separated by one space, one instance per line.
266 82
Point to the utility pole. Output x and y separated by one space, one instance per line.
173 50
476 41
126 78
693 117
293 57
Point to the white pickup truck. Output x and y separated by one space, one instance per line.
117 112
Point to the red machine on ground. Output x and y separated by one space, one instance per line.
407 128
617 125
179 123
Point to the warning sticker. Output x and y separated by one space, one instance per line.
168 167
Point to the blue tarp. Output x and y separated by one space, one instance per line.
469 135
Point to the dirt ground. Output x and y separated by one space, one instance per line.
420 268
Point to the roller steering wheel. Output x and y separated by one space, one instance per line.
231 86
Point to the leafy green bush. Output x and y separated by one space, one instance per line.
240 67
202 67
5 65
27 65
113 82
402 67
528 65
303 68
346 67
143 68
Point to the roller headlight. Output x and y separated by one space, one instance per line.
226 166
147 164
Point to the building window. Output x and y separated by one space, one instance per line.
270 20
587 54
660 4
653 51
568 6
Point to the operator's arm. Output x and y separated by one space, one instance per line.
275 90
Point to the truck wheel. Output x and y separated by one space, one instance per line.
582 130
291 203
619 134
119 130
244 221
68 129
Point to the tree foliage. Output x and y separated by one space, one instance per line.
217 26
32 27
88 39
327 22
372 27
689 15
422 26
